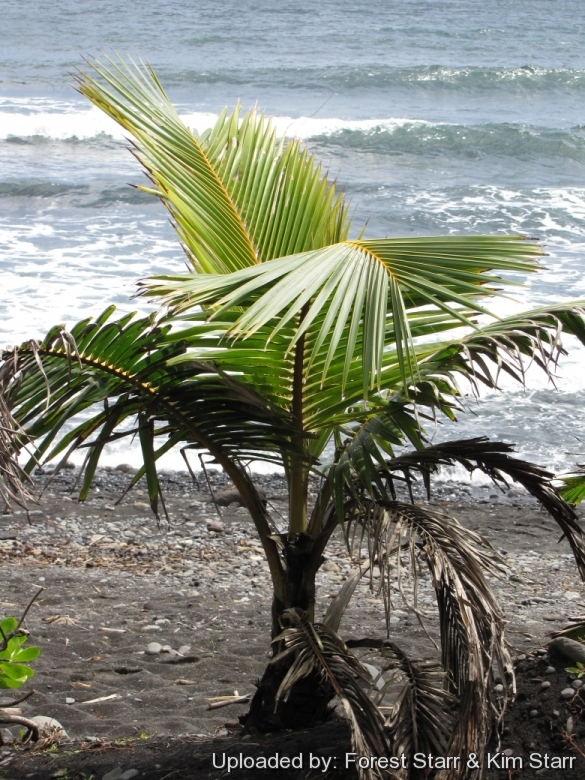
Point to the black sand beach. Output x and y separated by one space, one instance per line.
140 625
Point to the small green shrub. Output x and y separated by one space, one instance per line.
13 657
578 669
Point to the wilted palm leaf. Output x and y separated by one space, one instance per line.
316 648
398 538
422 717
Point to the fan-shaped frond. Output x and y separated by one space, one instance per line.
357 285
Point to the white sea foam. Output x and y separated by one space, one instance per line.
62 121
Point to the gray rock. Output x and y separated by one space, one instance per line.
69 700
545 685
577 684
499 688
125 468
49 725
7 737
115 774
568 648
231 496
129 774
567 693
153 648
533 713
550 670
185 649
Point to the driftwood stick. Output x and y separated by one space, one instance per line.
22 721
16 701
215 705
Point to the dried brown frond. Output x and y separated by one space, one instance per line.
422 717
399 538
493 459
318 649
14 482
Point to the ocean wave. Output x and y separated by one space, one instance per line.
522 142
36 127
523 78
381 136
80 195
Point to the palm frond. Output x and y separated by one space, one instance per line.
316 648
357 285
121 366
237 194
14 481
421 720
398 538
508 346
572 486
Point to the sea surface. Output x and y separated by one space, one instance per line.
442 116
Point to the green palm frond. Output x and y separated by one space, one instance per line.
356 286
121 366
572 487
237 194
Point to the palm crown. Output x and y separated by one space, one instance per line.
284 334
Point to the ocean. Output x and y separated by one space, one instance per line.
442 116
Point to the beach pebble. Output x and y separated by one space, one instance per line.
6 736
162 622
115 774
577 684
567 693
153 648
550 670
184 649
129 774
330 566
521 657
69 700
533 713
570 725
545 685
216 527
148 629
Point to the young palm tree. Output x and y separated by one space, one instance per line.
283 335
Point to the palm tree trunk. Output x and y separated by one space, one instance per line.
308 702
309 699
